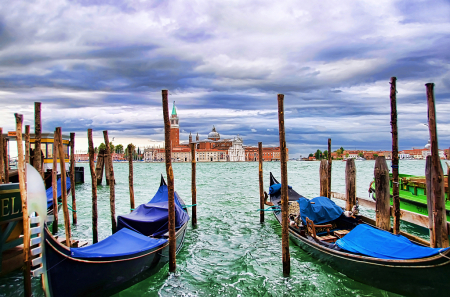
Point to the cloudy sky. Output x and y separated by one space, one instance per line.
102 64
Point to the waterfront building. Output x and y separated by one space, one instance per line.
236 151
212 149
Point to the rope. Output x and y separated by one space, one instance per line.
394 166
443 254
272 208
69 206
190 205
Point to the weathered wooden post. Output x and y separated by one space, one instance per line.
130 174
110 170
62 164
2 178
350 184
383 207
284 190
107 172
261 184
72 177
394 131
94 188
27 143
23 195
428 177
100 166
55 183
323 173
437 177
37 138
193 185
6 160
329 169
170 183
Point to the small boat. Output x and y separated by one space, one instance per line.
137 250
355 247
413 193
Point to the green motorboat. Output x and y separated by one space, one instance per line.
413 193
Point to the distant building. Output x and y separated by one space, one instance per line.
212 149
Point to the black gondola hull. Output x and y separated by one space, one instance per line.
68 276
417 277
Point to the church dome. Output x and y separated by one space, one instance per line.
214 135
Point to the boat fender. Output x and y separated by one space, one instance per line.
372 191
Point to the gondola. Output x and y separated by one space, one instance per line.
425 276
138 249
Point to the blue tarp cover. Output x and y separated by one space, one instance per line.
123 242
369 241
151 219
49 191
323 210
275 188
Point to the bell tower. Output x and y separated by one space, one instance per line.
174 128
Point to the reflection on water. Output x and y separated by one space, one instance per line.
230 253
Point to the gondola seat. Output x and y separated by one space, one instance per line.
341 233
311 228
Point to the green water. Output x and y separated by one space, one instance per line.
230 253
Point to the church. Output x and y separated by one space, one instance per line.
213 148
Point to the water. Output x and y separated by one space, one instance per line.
230 253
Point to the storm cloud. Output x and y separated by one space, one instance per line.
102 65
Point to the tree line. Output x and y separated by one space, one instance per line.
119 149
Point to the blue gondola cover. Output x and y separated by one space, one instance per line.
323 210
151 219
275 188
373 242
49 191
122 243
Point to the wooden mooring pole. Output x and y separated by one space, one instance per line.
329 169
2 177
394 131
23 195
37 138
439 228
72 177
350 184
94 188
27 144
6 160
130 175
193 185
428 177
284 190
261 184
110 173
100 166
323 173
170 183
55 183
383 207
62 165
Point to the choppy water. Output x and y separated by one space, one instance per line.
230 253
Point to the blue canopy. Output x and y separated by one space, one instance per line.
152 219
369 241
323 210
273 189
49 191
123 242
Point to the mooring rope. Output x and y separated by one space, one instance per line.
69 206
190 205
